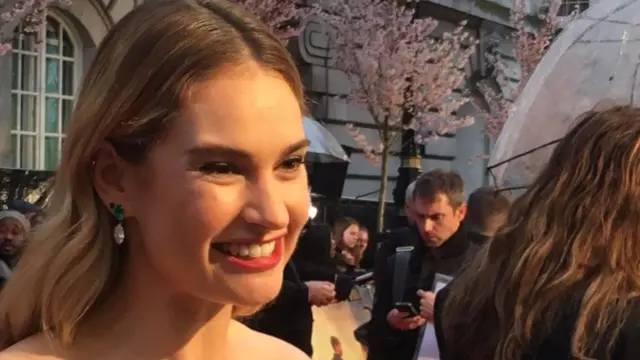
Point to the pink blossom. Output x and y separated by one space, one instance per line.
529 48
396 64
31 13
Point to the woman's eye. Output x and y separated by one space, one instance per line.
293 163
221 168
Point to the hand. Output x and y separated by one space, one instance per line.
348 258
427 299
321 293
401 321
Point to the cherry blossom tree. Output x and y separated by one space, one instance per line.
396 66
31 13
529 48
282 16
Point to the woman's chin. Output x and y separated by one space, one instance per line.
256 294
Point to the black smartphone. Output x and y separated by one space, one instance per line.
406 307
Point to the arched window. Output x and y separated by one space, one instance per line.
44 82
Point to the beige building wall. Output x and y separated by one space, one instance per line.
87 21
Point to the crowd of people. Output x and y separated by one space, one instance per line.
321 272
180 209
445 231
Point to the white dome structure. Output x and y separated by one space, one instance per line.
595 59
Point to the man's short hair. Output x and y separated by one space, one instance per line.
435 182
408 195
485 203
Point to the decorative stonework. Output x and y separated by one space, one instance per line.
119 8
314 42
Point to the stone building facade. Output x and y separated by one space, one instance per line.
38 85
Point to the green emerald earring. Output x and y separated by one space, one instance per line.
118 230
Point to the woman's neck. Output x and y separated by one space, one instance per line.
146 320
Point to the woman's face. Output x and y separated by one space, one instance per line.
364 239
222 199
332 249
350 235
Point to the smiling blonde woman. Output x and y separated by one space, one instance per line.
179 198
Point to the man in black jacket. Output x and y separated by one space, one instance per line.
404 236
443 248
487 210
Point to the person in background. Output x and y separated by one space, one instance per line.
313 260
361 245
561 279
346 231
334 247
438 211
405 236
487 210
408 203
29 210
14 231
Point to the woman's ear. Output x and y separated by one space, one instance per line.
461 212
110 176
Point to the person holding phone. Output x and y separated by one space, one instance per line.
438 209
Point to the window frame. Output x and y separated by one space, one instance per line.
41 94
568 6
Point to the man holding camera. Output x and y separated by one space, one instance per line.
438 209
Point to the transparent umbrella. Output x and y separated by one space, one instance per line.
324 146
594 60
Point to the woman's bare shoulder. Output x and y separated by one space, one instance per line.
36 347
265 347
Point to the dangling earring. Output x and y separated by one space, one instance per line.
118 230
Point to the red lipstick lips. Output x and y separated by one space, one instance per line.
253 256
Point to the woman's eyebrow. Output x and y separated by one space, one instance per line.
210 150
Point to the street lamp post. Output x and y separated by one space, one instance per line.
410 157
410 166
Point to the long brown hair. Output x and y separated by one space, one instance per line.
136 87
339 227
575 231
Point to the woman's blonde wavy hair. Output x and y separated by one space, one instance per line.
574 233
135 88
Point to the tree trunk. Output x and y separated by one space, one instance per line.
382 199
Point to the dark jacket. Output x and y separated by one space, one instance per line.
406 236
557 345
289 316
312 258
477 238
386 343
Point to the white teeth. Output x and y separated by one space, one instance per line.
244 250
267 249
251 250
254 251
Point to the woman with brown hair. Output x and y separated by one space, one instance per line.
361 245
172 213
561 280
346 232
